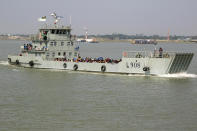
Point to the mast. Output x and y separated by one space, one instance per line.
70 20
86 32
168 38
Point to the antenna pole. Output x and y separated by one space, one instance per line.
86 34
168 35
70 20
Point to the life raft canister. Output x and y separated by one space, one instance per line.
146 68
17 62
65 65
103 68
75 67
31 63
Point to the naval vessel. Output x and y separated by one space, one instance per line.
55 48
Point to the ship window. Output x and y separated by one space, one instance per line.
48 54
62 43
68 32
53 54
75 54
64 31
51 44
64 54
55 43
70 53
52 31
57 31
59 53
61 32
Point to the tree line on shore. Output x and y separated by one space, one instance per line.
138 36
116 36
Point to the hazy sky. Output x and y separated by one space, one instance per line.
103 16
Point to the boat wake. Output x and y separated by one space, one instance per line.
4 63
179 75
15 70
136 75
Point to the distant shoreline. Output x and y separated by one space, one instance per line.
14 37
98 39
158 41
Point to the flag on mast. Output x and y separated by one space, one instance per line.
42 18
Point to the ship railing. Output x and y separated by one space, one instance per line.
147 54
34 50
46 26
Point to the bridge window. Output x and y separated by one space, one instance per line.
64 31
52 31
57 31
60 32
68 32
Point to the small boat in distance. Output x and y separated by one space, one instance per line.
87 40
144 41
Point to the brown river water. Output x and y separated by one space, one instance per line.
52 100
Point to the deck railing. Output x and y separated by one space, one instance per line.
147 54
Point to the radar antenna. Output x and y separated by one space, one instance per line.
57 18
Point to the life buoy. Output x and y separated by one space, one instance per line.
75 67
17 62
103 68
146 69
65 65
31 63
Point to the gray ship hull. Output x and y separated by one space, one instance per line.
179 62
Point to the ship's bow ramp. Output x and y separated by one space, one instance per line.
181 62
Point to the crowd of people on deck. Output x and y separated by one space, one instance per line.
27 47
90 60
